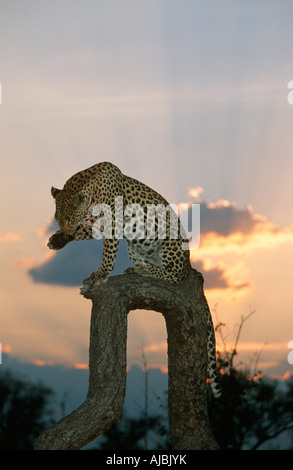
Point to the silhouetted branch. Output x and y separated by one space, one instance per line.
234 351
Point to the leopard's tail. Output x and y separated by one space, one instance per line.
211 344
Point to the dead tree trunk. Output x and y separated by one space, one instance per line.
183 307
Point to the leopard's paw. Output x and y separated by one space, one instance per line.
95 279
58 240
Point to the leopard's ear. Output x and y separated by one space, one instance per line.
55 191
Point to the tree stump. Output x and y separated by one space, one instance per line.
184 308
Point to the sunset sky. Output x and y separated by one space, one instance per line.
190 97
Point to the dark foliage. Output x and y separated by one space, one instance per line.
23 412
253 409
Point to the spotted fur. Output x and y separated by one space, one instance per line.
157 257
212 355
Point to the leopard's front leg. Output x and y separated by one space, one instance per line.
101 275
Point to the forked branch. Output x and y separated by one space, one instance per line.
183 307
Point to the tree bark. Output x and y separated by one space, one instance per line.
183 307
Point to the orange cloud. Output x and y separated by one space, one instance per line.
195 192
10 237
163 368
81 366
51 227
6 348
40 363
229 238
42 232
30 263
264 236
25 262
156 347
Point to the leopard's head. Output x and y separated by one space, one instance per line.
71 207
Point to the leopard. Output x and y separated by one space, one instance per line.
88 207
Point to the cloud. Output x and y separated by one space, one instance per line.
225 218
71 265
51 228
10 237
230 238
227 228
25 262
41 363
195 192
217 277
81 366
225 225
5 348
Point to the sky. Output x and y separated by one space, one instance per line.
190 97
